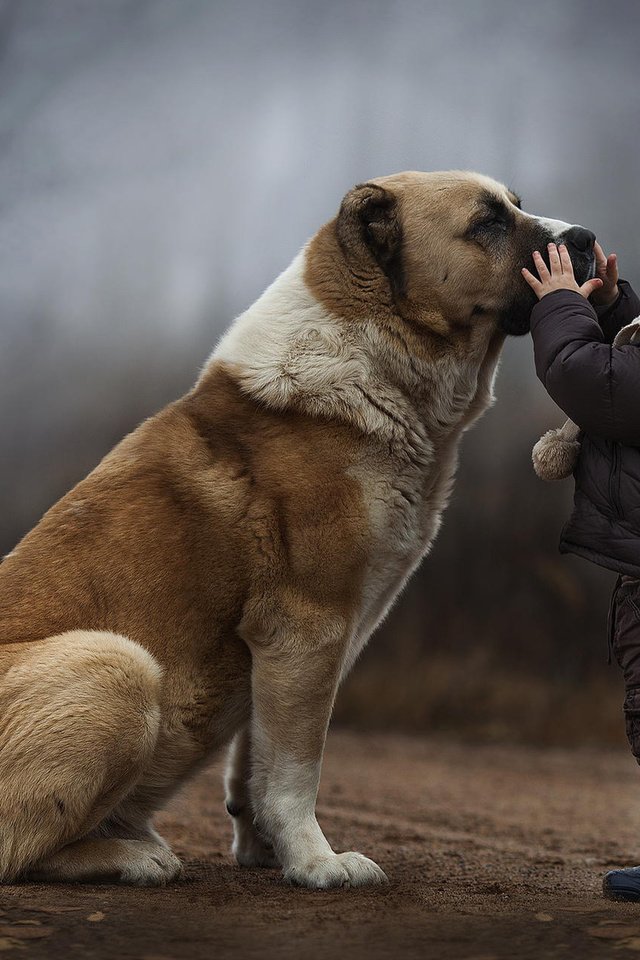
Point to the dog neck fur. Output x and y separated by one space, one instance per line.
288 351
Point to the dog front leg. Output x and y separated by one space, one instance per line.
249 848
294 684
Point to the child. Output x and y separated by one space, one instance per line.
597 384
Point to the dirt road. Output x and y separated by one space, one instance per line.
492 852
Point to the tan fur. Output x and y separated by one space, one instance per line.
220 570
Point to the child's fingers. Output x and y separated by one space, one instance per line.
590 287
554 259
602 263
567 266
533 282
612 268
541 266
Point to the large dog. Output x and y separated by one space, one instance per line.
215 577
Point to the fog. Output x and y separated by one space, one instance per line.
162 160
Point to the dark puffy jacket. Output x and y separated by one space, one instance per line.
598 387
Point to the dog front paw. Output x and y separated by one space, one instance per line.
250 850
338 870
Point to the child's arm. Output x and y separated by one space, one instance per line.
624 309
597 385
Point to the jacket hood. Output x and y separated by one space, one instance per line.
628 334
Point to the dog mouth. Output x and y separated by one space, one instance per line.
584 266
516 318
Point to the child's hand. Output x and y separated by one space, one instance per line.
561 276
607 270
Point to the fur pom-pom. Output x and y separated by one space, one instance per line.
555 454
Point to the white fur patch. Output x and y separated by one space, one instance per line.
288 350
556 227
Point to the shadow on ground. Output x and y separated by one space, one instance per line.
492 852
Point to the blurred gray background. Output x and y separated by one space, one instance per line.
162 160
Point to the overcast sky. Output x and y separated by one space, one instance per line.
162 160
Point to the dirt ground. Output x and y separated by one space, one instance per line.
491 852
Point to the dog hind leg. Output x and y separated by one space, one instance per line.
141 863
79 718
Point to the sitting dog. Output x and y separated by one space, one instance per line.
216 576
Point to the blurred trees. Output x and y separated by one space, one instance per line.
162 161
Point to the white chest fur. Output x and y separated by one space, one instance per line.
405 507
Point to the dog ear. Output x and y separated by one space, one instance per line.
369 222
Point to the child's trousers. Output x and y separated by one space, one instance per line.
624 640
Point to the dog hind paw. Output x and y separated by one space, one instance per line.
152 869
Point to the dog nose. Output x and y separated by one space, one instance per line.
580 239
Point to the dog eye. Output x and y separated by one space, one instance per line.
494 223
490 226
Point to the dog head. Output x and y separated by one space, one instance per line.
449 246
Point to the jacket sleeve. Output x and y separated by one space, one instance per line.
625 309
597 385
